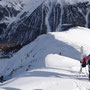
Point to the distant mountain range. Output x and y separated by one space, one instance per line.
21 22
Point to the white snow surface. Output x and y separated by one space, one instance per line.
54 60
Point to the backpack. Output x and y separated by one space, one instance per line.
86 62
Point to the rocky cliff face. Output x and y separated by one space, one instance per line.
8 12
47 17
5 14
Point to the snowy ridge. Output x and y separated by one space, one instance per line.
60 42
52 60
30 7
33 4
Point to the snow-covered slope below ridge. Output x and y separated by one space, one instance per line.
54 58
33 55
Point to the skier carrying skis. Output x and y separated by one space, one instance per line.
86 61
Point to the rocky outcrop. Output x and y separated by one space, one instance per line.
5 13
8 11
48 17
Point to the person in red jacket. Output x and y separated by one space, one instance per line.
86 61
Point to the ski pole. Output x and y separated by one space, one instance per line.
81 57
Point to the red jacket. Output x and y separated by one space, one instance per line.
85 59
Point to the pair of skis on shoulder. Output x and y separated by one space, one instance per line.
81 58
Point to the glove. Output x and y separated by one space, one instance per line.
80 61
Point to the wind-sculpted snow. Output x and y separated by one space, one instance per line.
36 54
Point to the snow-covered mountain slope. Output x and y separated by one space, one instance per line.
60 74
51 62
33 55
42 16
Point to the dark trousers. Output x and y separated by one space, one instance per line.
89 75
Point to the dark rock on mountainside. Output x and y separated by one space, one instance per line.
9 9
5 13
45 18
27 28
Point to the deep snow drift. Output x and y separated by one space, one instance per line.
51 62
